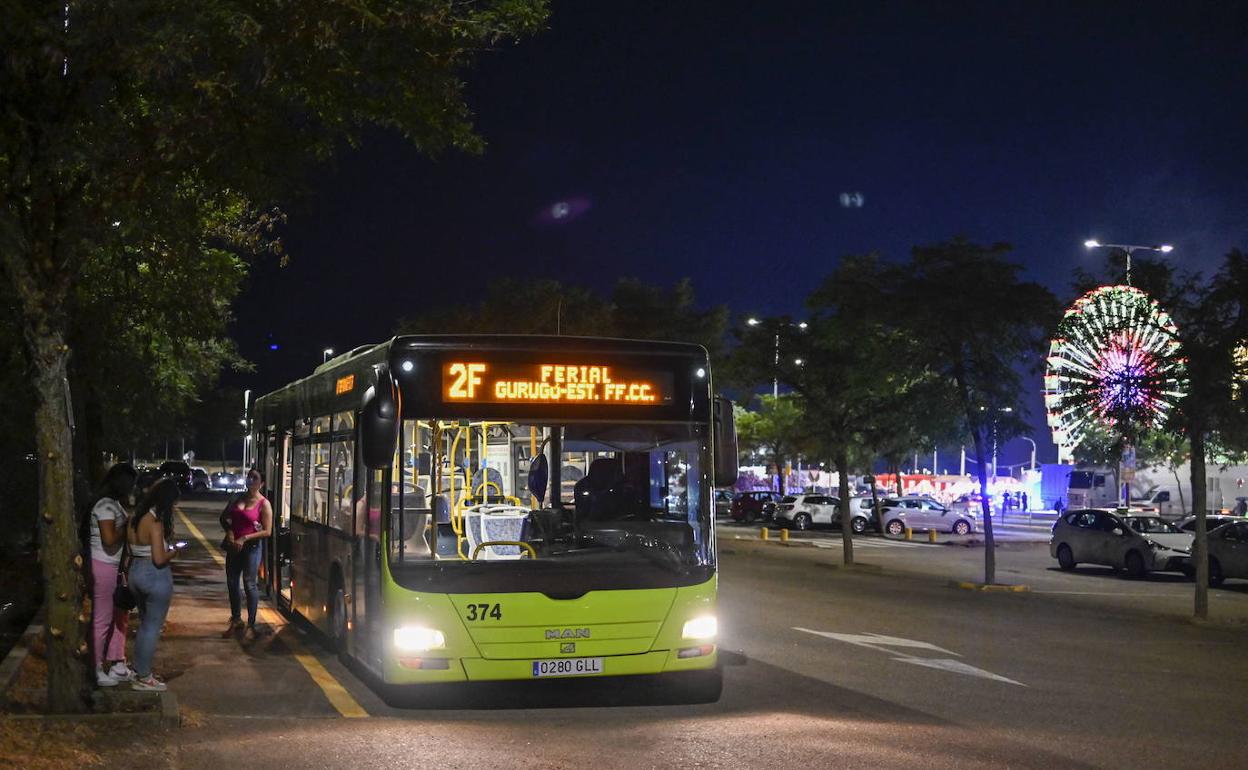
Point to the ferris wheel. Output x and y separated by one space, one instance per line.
1115 362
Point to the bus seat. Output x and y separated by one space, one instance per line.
441 509
415 522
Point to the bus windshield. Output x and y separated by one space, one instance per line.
588 505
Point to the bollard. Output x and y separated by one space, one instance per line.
931 536
784 536
909 533
762 534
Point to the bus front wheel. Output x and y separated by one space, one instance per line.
338 620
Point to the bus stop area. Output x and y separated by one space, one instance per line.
282 673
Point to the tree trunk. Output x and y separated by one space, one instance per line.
1196 433
1178 484
981 470
897 478
60 551
847 532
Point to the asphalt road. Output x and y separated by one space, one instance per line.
824 667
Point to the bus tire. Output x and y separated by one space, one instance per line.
703 686
338 618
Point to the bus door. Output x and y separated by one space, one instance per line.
281 527
270 463
366 577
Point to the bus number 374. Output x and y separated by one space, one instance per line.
484 611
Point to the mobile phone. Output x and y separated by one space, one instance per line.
180 544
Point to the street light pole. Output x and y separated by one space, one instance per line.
775 360
326 353
775 380
1033 450
1127 248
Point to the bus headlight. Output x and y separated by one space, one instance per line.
418 638
705 627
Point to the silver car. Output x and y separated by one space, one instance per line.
1228 552
1137 544
920 512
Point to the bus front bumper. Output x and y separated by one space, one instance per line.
416 670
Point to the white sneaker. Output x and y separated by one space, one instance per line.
148 683
104 678
122 672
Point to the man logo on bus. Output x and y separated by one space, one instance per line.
567 633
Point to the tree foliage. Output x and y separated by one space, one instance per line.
156 131
978 324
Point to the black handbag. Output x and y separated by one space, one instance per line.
123 595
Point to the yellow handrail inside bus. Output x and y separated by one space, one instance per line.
526 546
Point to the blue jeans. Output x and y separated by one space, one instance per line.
153 586
245 564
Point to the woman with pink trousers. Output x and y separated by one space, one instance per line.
107 525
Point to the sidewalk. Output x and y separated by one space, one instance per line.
214 674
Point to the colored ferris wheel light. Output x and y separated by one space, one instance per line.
1115 363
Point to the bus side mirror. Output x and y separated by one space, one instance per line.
724 435
379 421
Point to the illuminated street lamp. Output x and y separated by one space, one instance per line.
775 381
1127 248
326 353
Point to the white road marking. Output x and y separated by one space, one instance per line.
881 643
957 667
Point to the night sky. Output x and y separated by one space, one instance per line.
714 140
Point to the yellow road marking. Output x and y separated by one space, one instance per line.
335 693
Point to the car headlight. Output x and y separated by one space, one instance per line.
705 627
418 638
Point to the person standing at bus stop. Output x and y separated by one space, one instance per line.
248 521
150 576
107 528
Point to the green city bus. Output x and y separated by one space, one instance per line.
486 508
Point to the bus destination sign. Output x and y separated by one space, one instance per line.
553 383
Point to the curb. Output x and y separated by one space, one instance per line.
857 566
167 715
12 662
990 587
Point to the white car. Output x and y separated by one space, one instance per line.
804 511
1228 552
920 512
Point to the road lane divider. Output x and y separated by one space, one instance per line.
334 692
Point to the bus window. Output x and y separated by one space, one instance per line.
341 484
299 482
318 501
634 496
321 424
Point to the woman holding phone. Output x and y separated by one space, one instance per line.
247 521
151 579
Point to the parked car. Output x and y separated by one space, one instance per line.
971 503
179 471
199 479
862 509
921 512
1137 544
805 511
229 481
723 502
1228 552
1212 522
748 506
